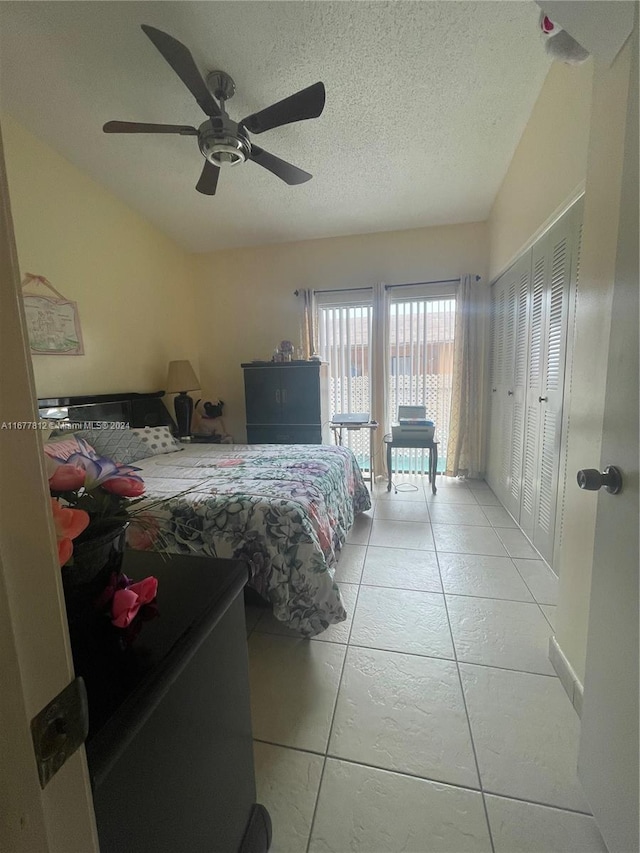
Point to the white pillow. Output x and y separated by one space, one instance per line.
130 445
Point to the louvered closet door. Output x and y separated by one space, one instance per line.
565 482
504 301
518 306
554 348
497 361
506 388
536 313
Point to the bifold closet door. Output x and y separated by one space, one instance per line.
509 343
556 310
497 361
530 470
516 394
502 382
549 308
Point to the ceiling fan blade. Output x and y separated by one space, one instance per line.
180 59
208 179
307 103
285 171
137 127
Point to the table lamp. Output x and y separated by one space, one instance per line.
181 378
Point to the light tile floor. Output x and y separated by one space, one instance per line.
431 720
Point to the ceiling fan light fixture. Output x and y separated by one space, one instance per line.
224 150
222 141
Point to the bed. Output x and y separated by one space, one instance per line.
284 509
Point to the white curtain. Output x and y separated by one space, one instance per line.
465 456
309 335
380 374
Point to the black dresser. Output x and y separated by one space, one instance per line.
170 746
287 402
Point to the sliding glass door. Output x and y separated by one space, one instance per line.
421 338
418 360
345 343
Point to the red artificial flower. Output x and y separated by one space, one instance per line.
124 487
69 523
143 532
67 478
127 602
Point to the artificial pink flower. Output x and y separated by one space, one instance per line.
67 478
143 532
124 487
69 523
127 602
65 550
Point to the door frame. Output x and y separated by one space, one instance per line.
34 641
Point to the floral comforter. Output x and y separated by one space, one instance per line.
284 509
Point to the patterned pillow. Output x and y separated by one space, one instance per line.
65 447
130 445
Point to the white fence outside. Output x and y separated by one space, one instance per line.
435 395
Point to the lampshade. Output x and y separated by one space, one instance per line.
181 377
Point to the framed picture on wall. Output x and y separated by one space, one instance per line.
53 324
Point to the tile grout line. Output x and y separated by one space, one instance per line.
333 717
291 748
357 645
446 592
513 560
466 710
326 754
410 775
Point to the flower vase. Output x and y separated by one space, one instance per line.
88 574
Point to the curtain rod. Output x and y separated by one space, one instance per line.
419 283
336 290
389 286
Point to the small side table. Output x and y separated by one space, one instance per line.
421 443
372 426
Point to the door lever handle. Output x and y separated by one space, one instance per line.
543 399
509 393
591 479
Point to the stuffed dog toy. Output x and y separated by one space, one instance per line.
207 419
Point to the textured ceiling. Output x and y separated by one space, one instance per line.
426 102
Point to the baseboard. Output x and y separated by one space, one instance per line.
566 674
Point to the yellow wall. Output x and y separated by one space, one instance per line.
131 283
246 304
548 166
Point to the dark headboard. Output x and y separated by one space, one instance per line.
137 410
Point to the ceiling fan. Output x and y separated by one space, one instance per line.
221 140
